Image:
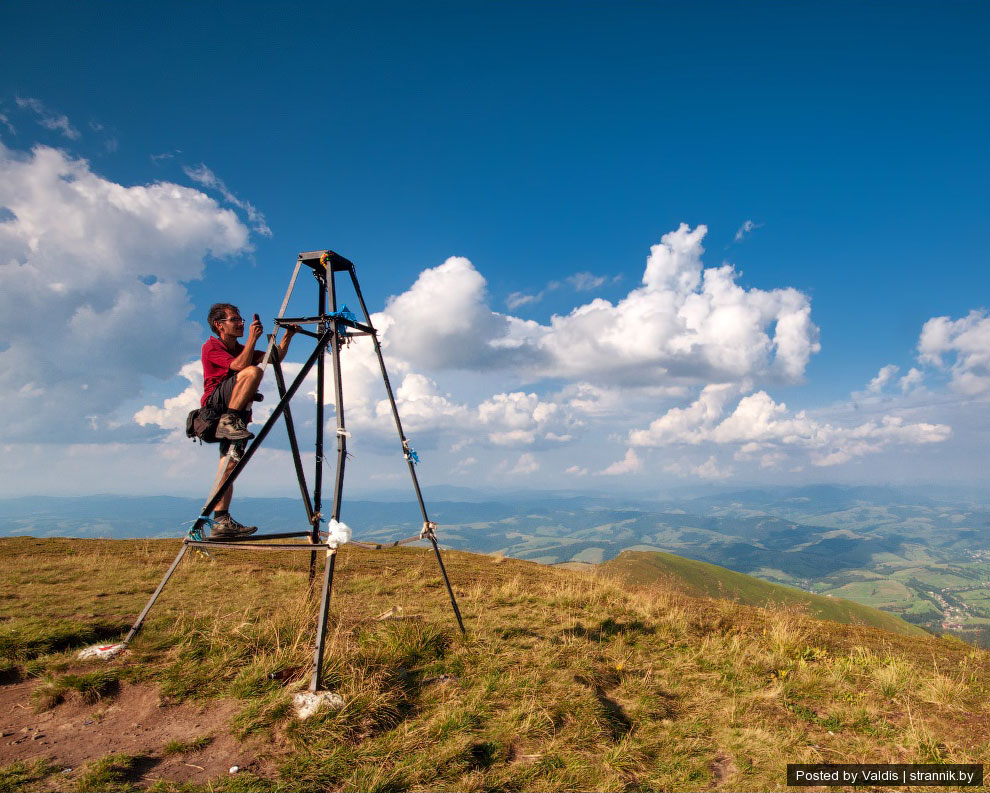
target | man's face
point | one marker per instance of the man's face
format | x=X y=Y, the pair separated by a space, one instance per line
x=232 y=325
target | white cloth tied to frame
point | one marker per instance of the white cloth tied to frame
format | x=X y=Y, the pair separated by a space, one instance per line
x=337 y=533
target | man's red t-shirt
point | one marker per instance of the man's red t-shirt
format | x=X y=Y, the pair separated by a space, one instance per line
x=216 y=365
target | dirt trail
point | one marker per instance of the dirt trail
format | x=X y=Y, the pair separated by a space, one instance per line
x=132 y=721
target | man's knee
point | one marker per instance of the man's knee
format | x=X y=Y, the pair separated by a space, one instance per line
x=250 y=374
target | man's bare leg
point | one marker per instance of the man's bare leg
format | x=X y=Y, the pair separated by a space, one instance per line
x=245 y=387
x=224 y=503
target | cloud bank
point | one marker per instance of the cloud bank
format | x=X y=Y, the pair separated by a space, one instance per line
x=91 y=293
x=686 y=324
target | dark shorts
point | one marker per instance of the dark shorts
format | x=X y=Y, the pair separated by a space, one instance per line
x=217 y=402
x=219 y=398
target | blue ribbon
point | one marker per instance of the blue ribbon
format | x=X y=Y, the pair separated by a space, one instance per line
x=196 y=532
x=344 y=313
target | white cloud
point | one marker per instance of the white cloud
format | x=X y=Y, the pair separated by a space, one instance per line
x=91 y=279
x=172 y=415
x=464 y=466
x=709 y=469
x=519 y=418
x=421 y=406
x=684 y=325
x=759 y=425
x=526 y=464
x=629 y=464
x=518 y=299
x=443 y=321
x=204 y=176
x=962 y=345
x=911 y=380
x=6 y=122
x=884 y=376
x=585 y=282
x=745 y=229
x=579 y=282
x=47 y=118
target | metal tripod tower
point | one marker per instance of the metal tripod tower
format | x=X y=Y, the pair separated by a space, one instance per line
x=333 y=326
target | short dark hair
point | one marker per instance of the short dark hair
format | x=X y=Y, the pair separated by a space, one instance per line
x=217 y=312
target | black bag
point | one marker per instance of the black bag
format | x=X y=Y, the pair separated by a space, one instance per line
x=201 y=424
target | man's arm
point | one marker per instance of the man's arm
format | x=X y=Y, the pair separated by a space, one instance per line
x=283 y=346
x=245 y=358
x=278 y=351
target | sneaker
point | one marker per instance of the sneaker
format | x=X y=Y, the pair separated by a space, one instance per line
x=231 y=428
x=226 y=528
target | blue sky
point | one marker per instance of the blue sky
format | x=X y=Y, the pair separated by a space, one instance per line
x=547 y=146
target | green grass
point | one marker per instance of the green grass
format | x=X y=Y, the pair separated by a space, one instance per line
x=90 y=687
x=111 y=773
x=700 y=578
x=565 y=680
x=173 y=748
x=23 y=776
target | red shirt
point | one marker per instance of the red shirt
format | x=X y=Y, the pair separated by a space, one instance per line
x=216 y=365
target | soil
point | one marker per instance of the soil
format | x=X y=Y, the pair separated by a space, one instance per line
x=133 y=722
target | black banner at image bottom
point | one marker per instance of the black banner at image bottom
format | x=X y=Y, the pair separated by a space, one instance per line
x=884 y=775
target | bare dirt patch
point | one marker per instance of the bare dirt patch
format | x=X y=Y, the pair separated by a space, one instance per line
x=131 y=722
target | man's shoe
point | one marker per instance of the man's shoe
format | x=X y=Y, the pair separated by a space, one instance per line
x=226 y=528
x=231 y=428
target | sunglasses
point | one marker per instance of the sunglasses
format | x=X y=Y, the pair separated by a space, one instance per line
x=235 y=320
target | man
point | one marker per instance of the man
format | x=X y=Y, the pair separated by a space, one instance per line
x=231 y=377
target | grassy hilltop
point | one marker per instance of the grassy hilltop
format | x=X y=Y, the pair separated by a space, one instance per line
x=565 y=680
x=708 y=580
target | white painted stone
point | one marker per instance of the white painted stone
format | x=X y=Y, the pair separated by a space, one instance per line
x=309 y=702
x=105 y=651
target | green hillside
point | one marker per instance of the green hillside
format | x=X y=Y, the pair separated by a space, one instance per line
x=564 y=681
x=702 y=579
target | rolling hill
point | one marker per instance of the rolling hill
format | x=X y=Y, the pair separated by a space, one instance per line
x=699 y=579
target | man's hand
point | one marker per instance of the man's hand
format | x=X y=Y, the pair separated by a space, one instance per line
x=254 y=333
x=283 y=346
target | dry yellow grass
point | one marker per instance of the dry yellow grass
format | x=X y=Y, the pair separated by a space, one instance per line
x=564 y=681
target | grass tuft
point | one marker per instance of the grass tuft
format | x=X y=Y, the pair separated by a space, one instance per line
x=24 y=776
x=90 y=687
x=114 y=772
x=173 y=748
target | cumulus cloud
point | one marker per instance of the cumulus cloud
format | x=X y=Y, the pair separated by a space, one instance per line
x=758 y=425
x=963 y=347
x=47 y=118
x=629 y=464
x=421 y=406
x=526 y=464
x=443 y=321
x=884 y=376
x=520 y=419
x=910 y=381
x=684 y=325
x=91 y=276
x=204 y=176
x=172 y=414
